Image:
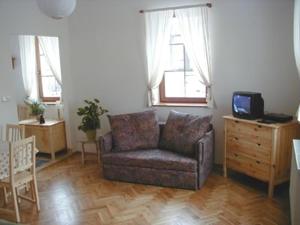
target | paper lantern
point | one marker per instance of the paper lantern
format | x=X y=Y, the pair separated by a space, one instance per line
x=57 y=9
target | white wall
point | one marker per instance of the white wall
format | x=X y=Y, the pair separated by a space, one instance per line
x=252 y=50
x=23 y=17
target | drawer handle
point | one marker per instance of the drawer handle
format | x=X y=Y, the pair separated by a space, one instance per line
x=236 y=138
x=258 y=162
x=258 y=144
x=236 y=155
x=259 y=126
x=236 y=121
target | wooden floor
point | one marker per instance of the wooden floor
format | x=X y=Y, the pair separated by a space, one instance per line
x=72 y=194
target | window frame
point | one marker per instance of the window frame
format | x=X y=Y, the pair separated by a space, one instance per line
x=39 y=75
x=181 y=100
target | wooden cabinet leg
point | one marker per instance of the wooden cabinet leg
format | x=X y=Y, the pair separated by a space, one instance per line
x=270 y=190
x=53 y=155
x=225 y=170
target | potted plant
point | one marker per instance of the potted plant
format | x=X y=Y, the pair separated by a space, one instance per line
x=90 y=121
x=37 y=108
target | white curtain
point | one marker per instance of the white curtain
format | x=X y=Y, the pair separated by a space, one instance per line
x=157 y=38
x=50 y=46
x=193 y=25
x=28 y=66
x=297 y=33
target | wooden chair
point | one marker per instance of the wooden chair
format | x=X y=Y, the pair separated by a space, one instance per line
x=14 y=132
x=21 y=172
x=23 y=112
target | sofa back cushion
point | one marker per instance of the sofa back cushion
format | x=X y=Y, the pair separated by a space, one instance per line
x=135 y=131
x=182 y=131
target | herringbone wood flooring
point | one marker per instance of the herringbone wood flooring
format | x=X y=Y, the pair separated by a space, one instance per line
x=72 y=194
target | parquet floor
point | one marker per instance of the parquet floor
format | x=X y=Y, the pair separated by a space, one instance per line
x=71 y=194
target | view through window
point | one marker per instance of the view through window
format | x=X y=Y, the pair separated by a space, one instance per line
x=49 y=88
x=180 y=84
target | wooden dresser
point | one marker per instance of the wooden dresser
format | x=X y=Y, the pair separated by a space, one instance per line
x=50 y=136
x=262 y=151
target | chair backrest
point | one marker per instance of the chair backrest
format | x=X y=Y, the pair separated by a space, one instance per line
x=22 y=156
x=15 y=132
x=23 y=112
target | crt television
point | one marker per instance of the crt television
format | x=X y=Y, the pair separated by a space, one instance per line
x=247 y=105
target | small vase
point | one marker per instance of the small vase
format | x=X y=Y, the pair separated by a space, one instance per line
x=91 y=135
x=42 y=119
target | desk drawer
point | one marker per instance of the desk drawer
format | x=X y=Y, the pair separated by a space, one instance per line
x=248 y=166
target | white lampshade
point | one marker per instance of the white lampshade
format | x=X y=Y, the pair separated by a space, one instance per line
x=57 y=9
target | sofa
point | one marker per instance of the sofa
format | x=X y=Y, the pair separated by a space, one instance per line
x=138 y=150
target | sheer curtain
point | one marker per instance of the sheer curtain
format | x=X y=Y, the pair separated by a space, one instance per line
x=193 y=24
x=28 y=66
x=157 y=38
x=50 y=46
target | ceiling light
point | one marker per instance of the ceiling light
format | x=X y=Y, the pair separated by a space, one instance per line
x=57 y=9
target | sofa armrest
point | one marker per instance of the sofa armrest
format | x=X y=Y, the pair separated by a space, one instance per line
x=105 y=143
x=205 y=156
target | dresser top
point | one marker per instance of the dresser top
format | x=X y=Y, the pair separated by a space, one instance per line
x=34 y=122
x=297 y=153
x=273 y=125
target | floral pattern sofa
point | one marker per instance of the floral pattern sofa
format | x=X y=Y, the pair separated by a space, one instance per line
x=176 y=154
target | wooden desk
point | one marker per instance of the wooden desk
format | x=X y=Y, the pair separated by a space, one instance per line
x=50 y=136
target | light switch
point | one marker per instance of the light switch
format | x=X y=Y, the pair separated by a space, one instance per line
x=5 y=98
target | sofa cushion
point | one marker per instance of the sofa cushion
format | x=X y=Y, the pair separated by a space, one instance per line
x=154 y=158
x=135 y=130
x=182 y=131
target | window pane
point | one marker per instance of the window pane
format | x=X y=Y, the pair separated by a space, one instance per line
x=194 y=88
x=50 y=87
x=176 y=58
x=180 y=86
x=45 y=68
x=174 y=84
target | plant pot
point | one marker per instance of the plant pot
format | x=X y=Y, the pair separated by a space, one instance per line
x=91 y=135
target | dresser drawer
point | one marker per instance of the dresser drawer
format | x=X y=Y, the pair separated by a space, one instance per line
x=248 y=166
x=252 y=132
x=257 y=150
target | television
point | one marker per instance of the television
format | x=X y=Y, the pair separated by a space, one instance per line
x=247 y=105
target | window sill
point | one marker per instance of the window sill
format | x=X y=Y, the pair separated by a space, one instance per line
x=161 y=104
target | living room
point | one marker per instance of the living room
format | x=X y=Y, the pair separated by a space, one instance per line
x=103 y=55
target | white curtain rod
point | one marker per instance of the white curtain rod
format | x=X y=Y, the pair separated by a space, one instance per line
x=209 y=5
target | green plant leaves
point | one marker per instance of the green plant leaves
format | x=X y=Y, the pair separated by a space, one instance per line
x=91 y=115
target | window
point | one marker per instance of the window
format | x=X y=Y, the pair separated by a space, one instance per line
x=180 y=84
x=48 y=86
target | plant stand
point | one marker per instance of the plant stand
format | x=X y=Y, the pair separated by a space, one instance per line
x=83 y=143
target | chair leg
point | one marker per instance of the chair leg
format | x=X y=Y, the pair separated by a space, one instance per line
x=36 y=194
x=5 y=196
x=15 y=200
x=17 y=192
x=32 y=191
x=27 y=187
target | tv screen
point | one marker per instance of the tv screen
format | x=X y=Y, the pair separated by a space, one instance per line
x=242 y=104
